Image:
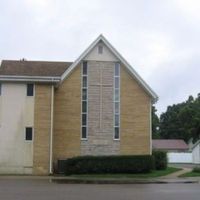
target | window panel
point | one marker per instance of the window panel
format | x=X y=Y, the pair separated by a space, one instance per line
x=116 y=107
x=100 y=49
x=84 y=94
x=116 y=94
x=84 y=106
x=84 y=132
x=116 y=69
x=116 y=120
x=29 y=133
x=30 y=88
x=84 y=81
x=116 y=82
x=84 y=68
x=84 y=119
x=116 y=133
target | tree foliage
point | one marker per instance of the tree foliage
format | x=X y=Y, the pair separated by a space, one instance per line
x=182 y=121
x=155 y=123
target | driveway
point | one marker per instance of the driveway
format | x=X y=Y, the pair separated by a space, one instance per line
x=11 y=189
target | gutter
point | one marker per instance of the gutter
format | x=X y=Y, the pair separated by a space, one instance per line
x=46 y=79
x=51 y=132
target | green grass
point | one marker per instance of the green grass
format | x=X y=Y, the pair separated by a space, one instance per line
x=190 y=174
x=153 y=174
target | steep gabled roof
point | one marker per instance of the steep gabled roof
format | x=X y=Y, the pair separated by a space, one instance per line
x=135 y=75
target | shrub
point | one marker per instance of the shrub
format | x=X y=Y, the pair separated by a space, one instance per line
x=196 y=169
x=109 y=164
x=160 y=158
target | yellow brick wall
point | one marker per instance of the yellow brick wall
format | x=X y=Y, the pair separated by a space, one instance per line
x=67 y=117
x=135 y=117
x=42 y=124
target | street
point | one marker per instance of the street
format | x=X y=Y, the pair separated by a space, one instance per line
x=27 y=189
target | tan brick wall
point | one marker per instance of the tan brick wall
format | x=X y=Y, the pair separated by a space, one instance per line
x=42 y=124
x=135 y=117
x=67 y=117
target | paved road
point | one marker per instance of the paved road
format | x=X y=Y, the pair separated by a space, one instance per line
x=43 y=189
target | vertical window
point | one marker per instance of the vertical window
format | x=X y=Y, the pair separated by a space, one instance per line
x=100 y=49
x=84 y=101
x=29 y=134
x=30 y=89
x=116 y=101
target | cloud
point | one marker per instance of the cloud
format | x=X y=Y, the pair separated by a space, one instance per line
x=160 y=39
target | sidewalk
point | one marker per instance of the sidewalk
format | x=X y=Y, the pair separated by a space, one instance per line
x=175 y=175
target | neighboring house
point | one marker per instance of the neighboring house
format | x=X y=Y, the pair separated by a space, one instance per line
x=177 y=150
x=196 y=152
x=97 y=105
x=170 y=145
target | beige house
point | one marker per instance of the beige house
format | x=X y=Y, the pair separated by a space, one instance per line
x=96 y=105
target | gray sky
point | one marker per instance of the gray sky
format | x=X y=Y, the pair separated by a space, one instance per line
x=160 y=39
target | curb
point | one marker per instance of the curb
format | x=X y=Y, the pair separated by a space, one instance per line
x=73 y=180
x=117 y=181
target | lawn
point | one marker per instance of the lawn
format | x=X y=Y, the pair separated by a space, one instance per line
x=153 y=174
x=190 y=174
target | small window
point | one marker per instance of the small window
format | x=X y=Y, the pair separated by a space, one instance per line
x=84 y=132
x=116 y=136
x=84 y=94
x=84 y=119
x=29 y=134
x=30 y=89
x=0 y=89
x=100 y=49
x=117 y=69
x=84 y=81
x=116 y=82
x=84 y=68
x=84 y=106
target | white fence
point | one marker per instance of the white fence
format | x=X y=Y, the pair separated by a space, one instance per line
x=179 y=157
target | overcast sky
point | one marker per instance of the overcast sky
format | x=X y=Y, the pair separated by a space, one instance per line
x=160 y=39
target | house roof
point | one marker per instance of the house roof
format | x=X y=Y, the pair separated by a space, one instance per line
x=169 y=144
x=135 y=75
x=33 y=68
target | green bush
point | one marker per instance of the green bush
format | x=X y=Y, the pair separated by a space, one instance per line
x=160 y=158
x=109 y=164
x=196 y=169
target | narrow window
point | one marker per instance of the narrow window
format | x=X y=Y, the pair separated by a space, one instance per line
x=30 y=89
x=100 y=49
x=84 y=100
x=116 y=101
x=29 y=134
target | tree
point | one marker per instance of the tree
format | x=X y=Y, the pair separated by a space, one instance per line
x=155 y=123
x=182 y=121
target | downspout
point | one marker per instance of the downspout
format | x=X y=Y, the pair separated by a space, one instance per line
x=51 y=132
x=150 y=120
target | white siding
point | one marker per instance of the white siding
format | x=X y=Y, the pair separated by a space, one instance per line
x=196 y=154
x=17 y=112
x=179 y=157
x=107 y=55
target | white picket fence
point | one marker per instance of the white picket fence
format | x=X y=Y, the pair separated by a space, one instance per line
x=179 y=157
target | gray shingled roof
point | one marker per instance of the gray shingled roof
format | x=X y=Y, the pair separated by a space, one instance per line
x=169 y=144
x=33 y=68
